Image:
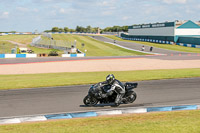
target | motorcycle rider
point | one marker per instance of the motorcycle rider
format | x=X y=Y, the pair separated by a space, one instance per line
x=116 y=86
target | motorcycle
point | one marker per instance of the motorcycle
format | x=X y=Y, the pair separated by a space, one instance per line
x=95 y=94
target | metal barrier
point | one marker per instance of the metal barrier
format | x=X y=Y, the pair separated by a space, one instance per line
x=51 y=44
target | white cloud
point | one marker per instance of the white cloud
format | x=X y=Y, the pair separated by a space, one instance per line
x=22 y=9
x=4 y=15
x=111 y=4
x=53 y=12
x=47 y=0
x=105 y=3
x=35 y=10
x=126 y=18
x=107 y=13
x=92 y=12
x=175 y=1
x=189 y=11
x=62 y=10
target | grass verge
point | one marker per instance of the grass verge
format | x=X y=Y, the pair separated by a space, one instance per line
x=5 y=47
x=95 y=47
x=24 y=39
x=44 y=50
x=163 y=46
x=92 y=47
x=162 y=122
x=77 y=78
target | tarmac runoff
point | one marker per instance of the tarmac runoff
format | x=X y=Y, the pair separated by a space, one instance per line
x=131 y=110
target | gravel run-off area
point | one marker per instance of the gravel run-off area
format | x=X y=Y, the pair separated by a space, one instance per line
x=98 y=65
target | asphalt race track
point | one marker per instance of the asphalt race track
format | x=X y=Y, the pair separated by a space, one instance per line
x=137 y=46
x=69 y=98
x=52 y=100
x=194 y=56
x=169 y=54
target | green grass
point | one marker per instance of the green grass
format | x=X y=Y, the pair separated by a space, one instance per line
x=44 y=50
x=163 y=46
x=162 y=122
x=94 y=47
x=5 y=47
x=78 y=78
x=24 y=39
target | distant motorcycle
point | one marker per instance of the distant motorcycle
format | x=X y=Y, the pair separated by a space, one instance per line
x=95 y=94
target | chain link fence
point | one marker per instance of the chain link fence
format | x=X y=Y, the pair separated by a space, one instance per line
x=48 y=42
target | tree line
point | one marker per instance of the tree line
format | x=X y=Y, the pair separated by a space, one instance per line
x=90 y=29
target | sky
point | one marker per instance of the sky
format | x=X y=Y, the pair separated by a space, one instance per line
x=40 y=15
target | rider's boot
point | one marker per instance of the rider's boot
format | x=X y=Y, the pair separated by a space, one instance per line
x=119 y=99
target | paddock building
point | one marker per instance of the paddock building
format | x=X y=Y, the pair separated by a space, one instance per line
x=184 y=32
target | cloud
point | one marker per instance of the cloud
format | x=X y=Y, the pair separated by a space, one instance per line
x=107 y=13
x=126 y=18
x=189 y=11
x=4 y=15
x=35 y=10
x=62 y=10
x=99 y=13
x=63 y=1
x=22 y=9
x=110 y=4
x=175 y=1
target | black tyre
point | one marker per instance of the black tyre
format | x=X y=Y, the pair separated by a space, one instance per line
x=132 y=97
x=115 y=105
x=90 y=101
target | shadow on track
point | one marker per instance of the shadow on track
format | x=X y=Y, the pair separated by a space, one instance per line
x=121 y=105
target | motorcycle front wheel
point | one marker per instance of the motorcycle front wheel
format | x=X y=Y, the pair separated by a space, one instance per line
x=90 y=101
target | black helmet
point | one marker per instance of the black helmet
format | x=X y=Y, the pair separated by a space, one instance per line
x=110 y=78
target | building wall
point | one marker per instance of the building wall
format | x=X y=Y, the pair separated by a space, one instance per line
x=161 y=31
x=187 y=32
x=189 y=40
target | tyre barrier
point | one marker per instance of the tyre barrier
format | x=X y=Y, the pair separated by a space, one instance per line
x=161 y=42
x=39 y=55
x=74 y=55
x=18 y=55
x=118 y=111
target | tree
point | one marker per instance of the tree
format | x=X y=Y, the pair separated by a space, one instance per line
x=78 y=28
x=116 y=29
x=55 y=29
x=125 y=28
x=95 y=29
x=72 y=30
x=47 y=31
x=107 y=29
x=89 y=29
x=66 y=29
x=61 y=30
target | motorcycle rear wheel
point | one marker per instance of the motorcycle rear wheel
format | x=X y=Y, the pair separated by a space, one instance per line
x=90 y=101
x=132 y=97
